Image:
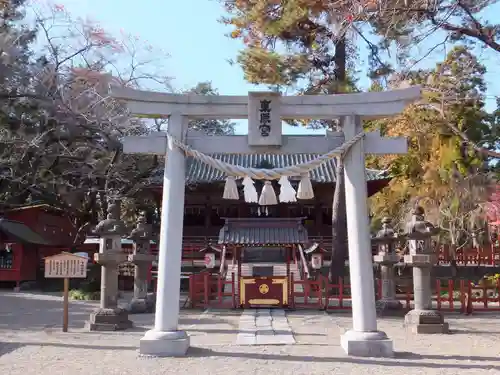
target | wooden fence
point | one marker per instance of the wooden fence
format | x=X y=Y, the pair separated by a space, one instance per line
x=486 y=255
x=210 y=290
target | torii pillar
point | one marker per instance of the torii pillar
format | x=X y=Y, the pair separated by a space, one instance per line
x=364 y=339
x=165 y=339
x=264 y=135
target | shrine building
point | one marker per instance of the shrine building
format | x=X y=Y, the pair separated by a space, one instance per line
x=258 y=239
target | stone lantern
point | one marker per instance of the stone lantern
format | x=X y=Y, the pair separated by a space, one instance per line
x=142 y=259
x=422 y=319
x=109 y=317
x=386 y=239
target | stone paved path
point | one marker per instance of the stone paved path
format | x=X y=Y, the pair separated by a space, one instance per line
x=31 y=343
x=264 y=327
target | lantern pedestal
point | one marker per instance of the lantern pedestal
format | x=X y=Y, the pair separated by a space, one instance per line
x=140 y=304
x=388 y=301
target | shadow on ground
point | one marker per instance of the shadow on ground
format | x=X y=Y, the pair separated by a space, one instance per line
x=9 y=347
x=20 y=311
x=473 y=331
x=402 y=359
x=35 y=312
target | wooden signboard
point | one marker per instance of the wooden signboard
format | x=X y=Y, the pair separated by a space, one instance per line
x=66 y=266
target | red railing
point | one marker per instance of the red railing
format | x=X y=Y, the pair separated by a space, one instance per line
x=310 y=296
x=448 y=295
x=191 y=256
x=487 y=255
x=209 y=290
x=212 y=290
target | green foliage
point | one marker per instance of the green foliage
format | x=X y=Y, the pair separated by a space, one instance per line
x=441 y=172
x=214 y=126
x=288 y=44
x=81 y=295
x=60 y=131
x=93 y=281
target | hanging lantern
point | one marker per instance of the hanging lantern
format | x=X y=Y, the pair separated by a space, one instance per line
x=209 y=260
x=316 y=261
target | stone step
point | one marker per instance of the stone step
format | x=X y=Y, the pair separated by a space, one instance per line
x=264 y=327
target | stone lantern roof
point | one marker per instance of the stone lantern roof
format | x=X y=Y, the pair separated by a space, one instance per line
x=112 y=225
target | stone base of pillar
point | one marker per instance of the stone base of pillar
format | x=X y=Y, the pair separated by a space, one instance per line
x=139 y=306
x=367 y=344
x=388 y=306
x=144 y=305
x=164 y=344
x=426 y=322
x=109 y=320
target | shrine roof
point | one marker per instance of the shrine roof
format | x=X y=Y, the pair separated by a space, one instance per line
x=199 y=172
x=40 y=206
x=16 y=231
x=263 y=231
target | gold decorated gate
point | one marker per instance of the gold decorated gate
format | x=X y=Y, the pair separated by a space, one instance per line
x=269 y=291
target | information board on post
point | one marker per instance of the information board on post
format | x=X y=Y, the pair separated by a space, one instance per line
x=66 y=266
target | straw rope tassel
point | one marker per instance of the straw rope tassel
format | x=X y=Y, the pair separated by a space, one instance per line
x=230 y=189
x=305 y=190
x=268 y=196
x=287 y=192
x=249 y=190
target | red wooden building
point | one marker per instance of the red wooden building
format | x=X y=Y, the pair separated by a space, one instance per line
x=27 y=235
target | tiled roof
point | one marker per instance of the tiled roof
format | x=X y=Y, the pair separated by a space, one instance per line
x=19 y=232
x=263 y=231
x=198 y=172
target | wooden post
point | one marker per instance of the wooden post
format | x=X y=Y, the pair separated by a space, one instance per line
x=66 y=305
x=288 y=252
x=238 y=281
x=233 y=290
x=65 y=266
x=207 y=214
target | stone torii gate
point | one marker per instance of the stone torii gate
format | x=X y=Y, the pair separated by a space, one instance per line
x=265 y=135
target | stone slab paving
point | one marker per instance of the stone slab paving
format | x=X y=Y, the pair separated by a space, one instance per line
x=264 y=327
x=31 y=343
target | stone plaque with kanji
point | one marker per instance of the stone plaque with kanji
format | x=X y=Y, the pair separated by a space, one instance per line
x=264 y=119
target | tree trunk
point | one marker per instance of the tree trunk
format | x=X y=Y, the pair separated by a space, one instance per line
x=340 y=59
x=339 y=215
x=339 y=226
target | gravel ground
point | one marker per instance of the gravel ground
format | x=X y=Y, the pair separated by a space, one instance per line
x=31 y=343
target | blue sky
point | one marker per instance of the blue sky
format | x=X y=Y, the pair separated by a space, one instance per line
x=190 y=32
